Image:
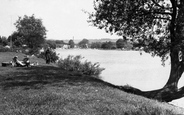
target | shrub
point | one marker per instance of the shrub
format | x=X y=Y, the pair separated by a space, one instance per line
x=54 y=56
x=74 y=63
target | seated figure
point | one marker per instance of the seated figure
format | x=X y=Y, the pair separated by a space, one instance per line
x=23 y=63
x=26 y=61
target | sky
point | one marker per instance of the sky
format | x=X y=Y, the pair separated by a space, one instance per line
x=64 y=19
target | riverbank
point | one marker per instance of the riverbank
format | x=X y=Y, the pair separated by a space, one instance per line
x=48 y=90
x=129 y=67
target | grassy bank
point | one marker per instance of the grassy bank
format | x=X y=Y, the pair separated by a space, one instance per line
x=48 y=90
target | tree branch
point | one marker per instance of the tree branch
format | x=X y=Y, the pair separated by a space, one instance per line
x=154 y=11
x=179 y=4
x=159 y=13
x=162 y=13
x=157 y=4
x=162 y=18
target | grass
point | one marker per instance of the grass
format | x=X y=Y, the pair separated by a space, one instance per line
x=49 y=90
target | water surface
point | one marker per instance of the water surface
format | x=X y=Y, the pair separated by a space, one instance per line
x=128 y=67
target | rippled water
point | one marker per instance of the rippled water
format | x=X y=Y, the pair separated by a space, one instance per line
x=128 y=67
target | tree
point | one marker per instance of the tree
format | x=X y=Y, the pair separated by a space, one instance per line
x=105 y=45
x=120 y=43
x=84 y=43
x=96 y=45
x=51 y=44
x=59 y=42
x=71 y=43
x=16 y=39
x=32 y=31
x=108 y=45
x=158 y=25
x=3 y=41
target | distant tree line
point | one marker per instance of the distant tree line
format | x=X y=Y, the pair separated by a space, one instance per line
x=3 y=41
x=31 y=34
x=85 y=43
x=119 y=44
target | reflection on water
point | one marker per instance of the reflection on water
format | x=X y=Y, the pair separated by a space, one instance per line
x=128 y=67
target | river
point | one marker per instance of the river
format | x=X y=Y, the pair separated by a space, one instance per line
x=128 y=67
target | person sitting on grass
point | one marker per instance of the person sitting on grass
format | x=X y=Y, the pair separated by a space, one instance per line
x=26 y=61
x=23 y=63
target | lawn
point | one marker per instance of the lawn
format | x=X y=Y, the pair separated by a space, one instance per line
x=49 y=90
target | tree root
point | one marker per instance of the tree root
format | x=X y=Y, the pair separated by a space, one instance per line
x=164 y=94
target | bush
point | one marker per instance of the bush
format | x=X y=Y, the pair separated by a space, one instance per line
x=54 y=57
x=74 y=63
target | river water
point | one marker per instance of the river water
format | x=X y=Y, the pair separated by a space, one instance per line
x=128 y=67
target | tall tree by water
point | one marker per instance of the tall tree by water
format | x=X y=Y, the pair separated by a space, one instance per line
x=84 y=43
x=158 y=25
x=31 y=30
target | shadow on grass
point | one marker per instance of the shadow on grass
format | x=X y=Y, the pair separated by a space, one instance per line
x=37 y=77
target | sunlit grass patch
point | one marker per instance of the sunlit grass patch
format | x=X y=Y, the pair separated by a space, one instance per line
x=80 y=100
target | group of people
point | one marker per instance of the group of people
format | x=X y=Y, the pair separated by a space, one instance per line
x=26 y=62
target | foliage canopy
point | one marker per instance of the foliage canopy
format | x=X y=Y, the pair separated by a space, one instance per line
x=31 y=31
x=144 y=21
x=71 y=43
x=156 y=26
x=83 y=43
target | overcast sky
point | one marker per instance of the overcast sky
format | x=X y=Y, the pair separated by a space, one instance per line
x=64 y=19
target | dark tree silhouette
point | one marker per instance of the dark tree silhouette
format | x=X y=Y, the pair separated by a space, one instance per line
x=159 y=27
x=84 y=43
x=120 y=43
x=31 y=30
x=71 y=43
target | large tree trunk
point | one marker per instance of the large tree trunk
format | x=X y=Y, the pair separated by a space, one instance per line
x=170 y=91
